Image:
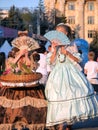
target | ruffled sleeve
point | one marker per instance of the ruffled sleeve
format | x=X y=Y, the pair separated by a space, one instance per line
x=78 y=56
x=48 y=60
x=74 y=52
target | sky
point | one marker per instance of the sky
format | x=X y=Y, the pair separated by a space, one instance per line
x=6 y=4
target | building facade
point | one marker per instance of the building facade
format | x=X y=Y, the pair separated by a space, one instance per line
x=3 y=13
x=82 y=15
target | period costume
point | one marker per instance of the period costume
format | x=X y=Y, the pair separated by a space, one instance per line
x=69 y=94
x=22 y=99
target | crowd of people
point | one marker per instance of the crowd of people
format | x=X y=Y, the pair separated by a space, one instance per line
x=70 y=89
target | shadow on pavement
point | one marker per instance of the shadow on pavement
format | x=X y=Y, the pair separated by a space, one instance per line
x=87 y=125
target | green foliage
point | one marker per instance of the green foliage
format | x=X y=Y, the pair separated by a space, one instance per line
x=61 y=19
x=14 y=20
x=20 y=19
x=13 y=66
x=25 y=69
x=94 y=44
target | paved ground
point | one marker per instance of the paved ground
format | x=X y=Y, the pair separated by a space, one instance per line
x=87 y=129
x=87 y=125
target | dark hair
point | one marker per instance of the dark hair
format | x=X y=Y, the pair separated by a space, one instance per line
x=42 y=49
x=22 y=33
x=2 y=62
x=49 y=46
x=13 y=52
x=66 y=29
x=36 y=57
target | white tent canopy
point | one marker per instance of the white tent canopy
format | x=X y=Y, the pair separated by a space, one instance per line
x=6 y=47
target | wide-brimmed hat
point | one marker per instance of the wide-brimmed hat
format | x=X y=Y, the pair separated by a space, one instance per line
x=57 y=36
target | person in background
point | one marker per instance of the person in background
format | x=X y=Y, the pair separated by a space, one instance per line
x=91 y=70
x=97 y=59
x=42 y=68
x=35 y=57
x=2 y=62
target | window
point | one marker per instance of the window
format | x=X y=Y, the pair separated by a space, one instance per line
x=71 y=19
x=90 y=19
x=71 y=6
x=91 y=33
x=90 y=6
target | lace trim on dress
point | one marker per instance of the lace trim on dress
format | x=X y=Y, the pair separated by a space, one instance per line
x=8 y=103
x=72 y=120
x=78 y=98
x=22 y=125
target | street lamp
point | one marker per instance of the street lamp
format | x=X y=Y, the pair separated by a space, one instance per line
x=38 y=19
x=30 y=30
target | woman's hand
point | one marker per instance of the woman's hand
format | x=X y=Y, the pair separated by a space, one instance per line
x=53 y=47
x=19 y=55
x=23 y=52
x=54 y=51
x=54 y=44
x=0 y=85
x=63 y=50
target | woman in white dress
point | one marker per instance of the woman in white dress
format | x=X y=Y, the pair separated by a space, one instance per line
x=69 y=94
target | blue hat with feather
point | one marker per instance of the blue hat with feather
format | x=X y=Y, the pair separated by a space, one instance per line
x=57 y=36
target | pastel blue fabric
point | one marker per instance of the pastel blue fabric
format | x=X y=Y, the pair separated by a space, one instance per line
x=56 y=35
x=82 y=45
x=69 y=94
